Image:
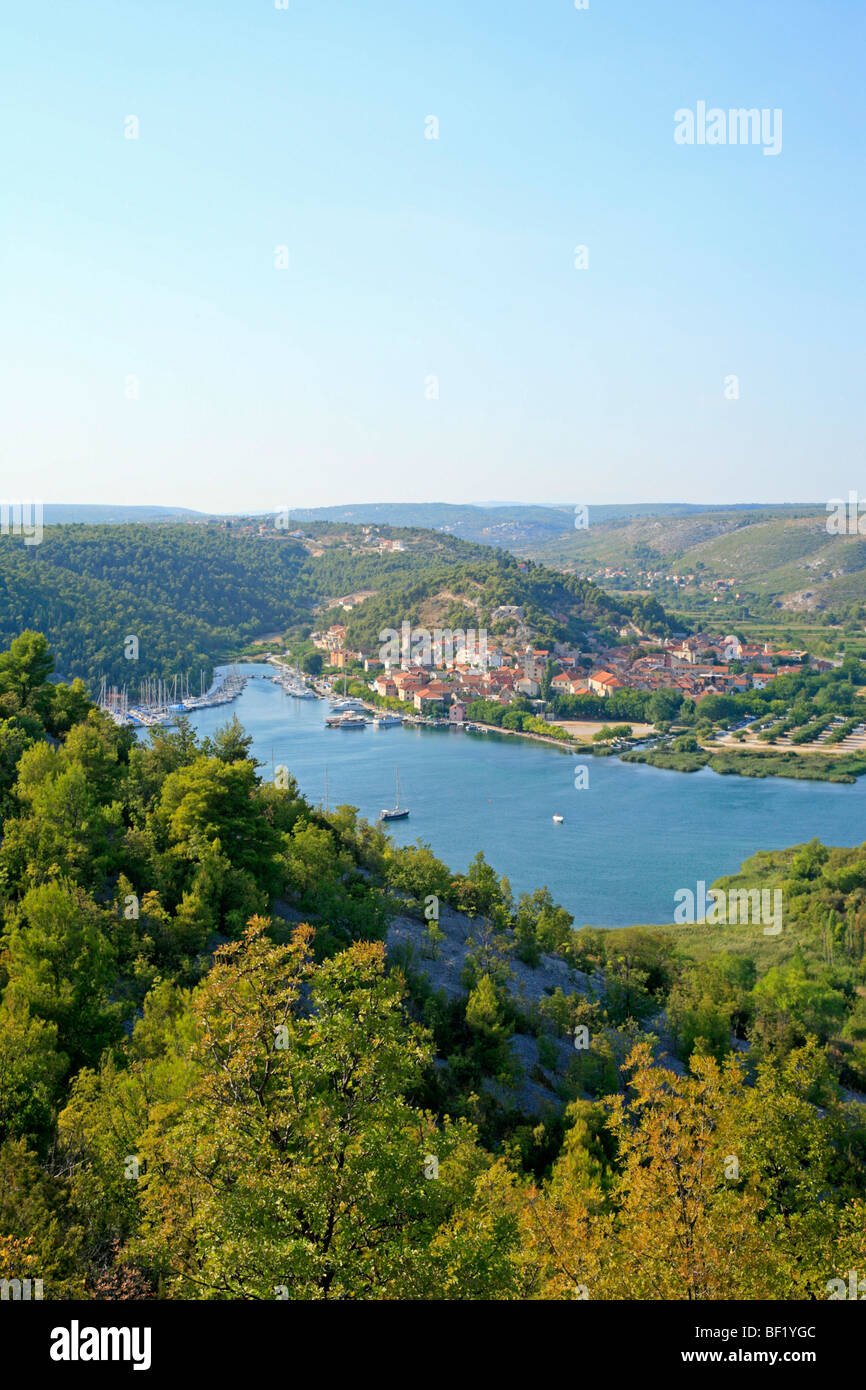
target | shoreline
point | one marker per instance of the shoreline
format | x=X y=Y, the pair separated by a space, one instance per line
x=752 y=757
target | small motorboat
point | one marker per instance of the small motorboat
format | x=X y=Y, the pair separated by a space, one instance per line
x=557 y=820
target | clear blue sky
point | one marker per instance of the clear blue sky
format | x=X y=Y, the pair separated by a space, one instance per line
x=412 y=258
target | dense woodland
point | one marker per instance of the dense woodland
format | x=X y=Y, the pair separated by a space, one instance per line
x=216 y=1084
x=555 y=607
x=189 y=594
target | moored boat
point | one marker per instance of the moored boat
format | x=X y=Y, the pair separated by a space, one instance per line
x=396 y=812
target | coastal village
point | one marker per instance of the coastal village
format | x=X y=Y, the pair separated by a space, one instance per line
x=694 y=666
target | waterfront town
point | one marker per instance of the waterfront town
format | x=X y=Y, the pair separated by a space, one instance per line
x=447 y=678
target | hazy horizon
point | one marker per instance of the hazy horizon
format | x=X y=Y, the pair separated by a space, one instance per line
x=426 y=502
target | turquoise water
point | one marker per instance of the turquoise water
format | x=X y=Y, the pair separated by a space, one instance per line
x=628 y=841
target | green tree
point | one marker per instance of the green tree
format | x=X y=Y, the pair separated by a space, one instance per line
x=790 y=1007
x=62 y=968
x=24 y=669
x=213 y=800
x=31 y=1072
x=230 y=743
x=295 y=1161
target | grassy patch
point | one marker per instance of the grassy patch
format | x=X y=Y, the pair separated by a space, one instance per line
x=673 y=761
x=700 y=942
x=846 y=767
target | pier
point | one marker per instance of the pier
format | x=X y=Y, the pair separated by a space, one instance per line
x=291 y=679
x=160 y=703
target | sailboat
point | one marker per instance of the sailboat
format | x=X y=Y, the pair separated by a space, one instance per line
x=397 y=812
x=344 y=701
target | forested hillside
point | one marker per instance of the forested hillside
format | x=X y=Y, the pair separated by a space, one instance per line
x=215 y=1083
x=190 y=595
x=194 y=595
x=552 y=607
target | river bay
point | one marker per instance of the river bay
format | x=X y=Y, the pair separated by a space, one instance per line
x=628 y=840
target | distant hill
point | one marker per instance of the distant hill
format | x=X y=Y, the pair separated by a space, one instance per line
x=777 y=554
x=782 y=556
x=503 y=526
x=62 y=513
x=527 y=530
x=793 y=561
x=496 y=592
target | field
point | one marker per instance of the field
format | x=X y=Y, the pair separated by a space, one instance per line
x=585 y=728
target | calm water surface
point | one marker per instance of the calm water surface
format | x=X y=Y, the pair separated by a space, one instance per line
x=628 y=840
